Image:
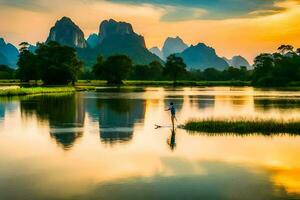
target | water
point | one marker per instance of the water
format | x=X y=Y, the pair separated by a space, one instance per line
x=104 y=146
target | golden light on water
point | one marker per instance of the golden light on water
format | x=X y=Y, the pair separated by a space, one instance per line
x=26 y=142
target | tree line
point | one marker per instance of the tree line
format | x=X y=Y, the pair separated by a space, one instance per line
x=59 y=65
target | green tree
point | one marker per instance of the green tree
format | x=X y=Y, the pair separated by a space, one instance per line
x=27 y=65
x=58 y=64
x=98 y=67
x=141 y=72
x=6 y=72
x=175 y=67
x=117 y=68
x=283 y=49
x=156 y=70
x=263 y=68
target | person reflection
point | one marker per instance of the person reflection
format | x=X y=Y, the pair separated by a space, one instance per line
x=172 y=140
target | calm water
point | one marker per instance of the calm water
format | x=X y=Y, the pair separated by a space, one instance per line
x=104 y=146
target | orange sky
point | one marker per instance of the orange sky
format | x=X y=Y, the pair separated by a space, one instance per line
x=239 y=36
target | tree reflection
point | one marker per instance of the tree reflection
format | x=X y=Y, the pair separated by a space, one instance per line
x=117 y=118
x=63 y=112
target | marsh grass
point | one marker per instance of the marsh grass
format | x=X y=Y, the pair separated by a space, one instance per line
x=243 y=126
x=35 y=90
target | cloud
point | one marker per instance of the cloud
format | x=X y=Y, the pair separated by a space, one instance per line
x=34 y=5
x=178 y=10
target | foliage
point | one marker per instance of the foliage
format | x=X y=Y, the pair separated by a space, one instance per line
x=27 y=64
x=58 y=64
x=114 y=69
x=174 y=67
x=6 y=72
x=277 y=69
x=52 y=63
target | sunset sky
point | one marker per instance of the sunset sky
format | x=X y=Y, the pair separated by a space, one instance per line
x=232 y=27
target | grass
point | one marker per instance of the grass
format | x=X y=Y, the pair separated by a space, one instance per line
x=166 y=83
x=243 y=126
x=35 y=90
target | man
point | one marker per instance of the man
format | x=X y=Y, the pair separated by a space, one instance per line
x=173 y=113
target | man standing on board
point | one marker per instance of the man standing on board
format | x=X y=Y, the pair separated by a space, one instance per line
x=173 y=113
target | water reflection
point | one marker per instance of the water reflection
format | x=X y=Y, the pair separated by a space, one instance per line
x=63 y=113
x=172 y=140
x=117 y=118
x=135 y=161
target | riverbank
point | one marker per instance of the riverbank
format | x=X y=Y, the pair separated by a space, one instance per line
x=35 y=90
x=243 y=126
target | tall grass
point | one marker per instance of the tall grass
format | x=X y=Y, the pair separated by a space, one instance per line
x=243 y=126
x=34 y=90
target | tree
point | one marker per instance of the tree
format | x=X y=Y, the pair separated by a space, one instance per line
x=98 y=67
x=27 y=65
x=117 y=68
x=212 y=74
x=263 y=67
x=6 y=72
x=283 y=49
x=156 y=70
x=141 y=72
x=174 y=67
x=58 y=64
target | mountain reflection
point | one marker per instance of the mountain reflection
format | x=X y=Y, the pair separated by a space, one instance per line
x=117 y=118
x=64 y=113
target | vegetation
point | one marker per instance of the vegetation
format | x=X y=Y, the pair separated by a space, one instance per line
x=243 y=126
x=174 y=67
x=52 y=63
x=278 y=69
x=58 y=65
x=35 y=90
x=114 y=69
x=6 y=72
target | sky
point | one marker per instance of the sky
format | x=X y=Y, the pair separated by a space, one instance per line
x=232 y=27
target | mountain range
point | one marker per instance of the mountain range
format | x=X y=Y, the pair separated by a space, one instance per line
x=202 y=57
x=171 y=46
x=120 y=38
x=8 y=53
x=237 y=61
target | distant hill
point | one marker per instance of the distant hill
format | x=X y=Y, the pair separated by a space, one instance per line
x=157 y=51
x=173 y=45
x=237 y=61
x=66 y=32
x=113 y=38
x=93 y=40
x=202 y=57
x=3 y=60
x=9 y=52
x=119 y=38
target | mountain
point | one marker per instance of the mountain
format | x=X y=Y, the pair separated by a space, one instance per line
x=66 y=32
x=120 y=38
x=157 y=51
x=3 y=60
x=237 y=61
x=10 y=52
x=93 y=40
x=202 y=57
x=173 y=45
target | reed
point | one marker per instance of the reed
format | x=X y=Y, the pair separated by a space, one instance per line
x=243 y=126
